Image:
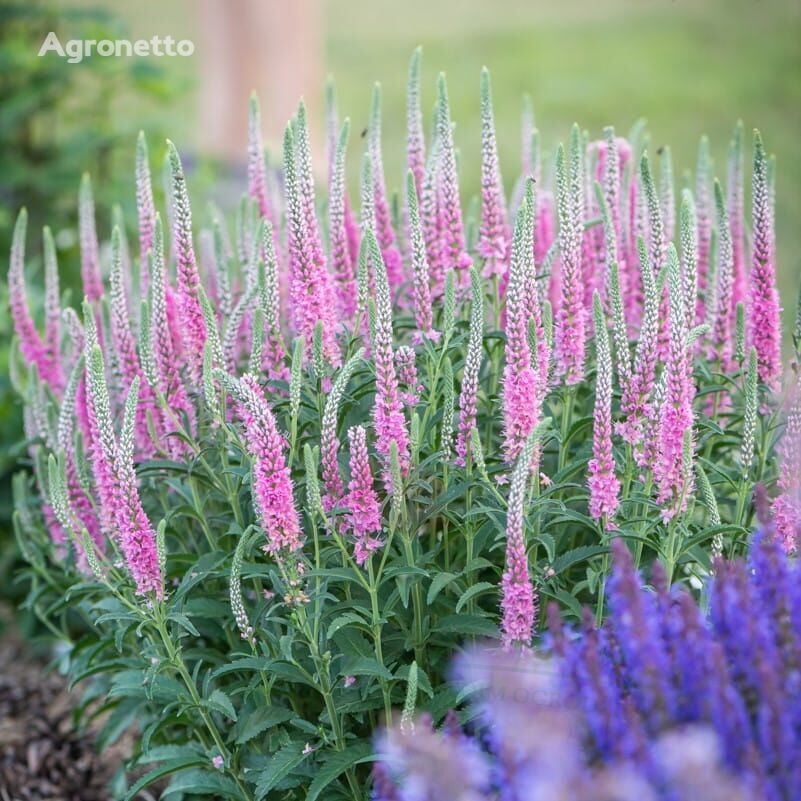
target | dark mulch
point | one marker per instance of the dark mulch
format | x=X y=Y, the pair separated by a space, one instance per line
x=44 y=756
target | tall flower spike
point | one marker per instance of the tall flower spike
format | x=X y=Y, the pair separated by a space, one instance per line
x=415 y=140
x=764 y=324
x=750 y=411
x=604 y=484
x=52 y=303
x=673 y=478
x=787 y=506
x=126 y=359
x=611 y=194
x=329 y=446
x=453 y=247
x=342 y=265
x=518 y=601
x=390 y=423
x=87 y=234
x=102 y=445
x=257 y=178
x=657 y=248
x=145 y=209
x=703 y=200
x=191 y=315
x=636 y=400
x=520 y=384
x=274 y=358
x=736 y=212
x=383 y=216
x=30 y=342
x=468 y=398
x=494 y=236
x=364 y=510
x=137 y=535
x=311 y=290
x=421 y=280
x=724 y=294
x=272 y=484
x=570 y=323
x=688 y=237
x=667 y=192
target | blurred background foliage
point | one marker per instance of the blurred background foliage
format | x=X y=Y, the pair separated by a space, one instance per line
x=688 y=66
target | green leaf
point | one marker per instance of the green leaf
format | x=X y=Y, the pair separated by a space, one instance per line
x=343 y=620
x=257 y=663
x=173 y=766
x=220 y=702
x=364 y=666
x=438 y=583
x=261 y=719
x=283 y=763
x=204 y=782
x=336 y=764
x=184 y=622
x=475 y=625
x=476 y=589
x=577 y=555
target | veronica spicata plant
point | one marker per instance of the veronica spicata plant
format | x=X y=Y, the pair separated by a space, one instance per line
x=276 y=478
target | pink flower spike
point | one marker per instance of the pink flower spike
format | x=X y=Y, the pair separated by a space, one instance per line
x=405 y=362
x=724 y=292
x=145 y=209
x=390 y=423
x=703 y=202
x=764 y=323
x=736 y=212
x=421 y=278
x=52 y=313
x=570 y=333
x=495 y=237
x=342 y=264
x=518 y=601
x=454 y=255
x=364 y=510
x=31 y=345
x=272 y=485
x=468 y=398
x=415 y=140
x=604 y=484
x=787 y=506
x=383 y=217
x=676 y=411
x=311 y=288
x=189 y=310
x=90 y=252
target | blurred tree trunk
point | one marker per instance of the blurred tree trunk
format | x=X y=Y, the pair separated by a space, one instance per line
x=272 y=46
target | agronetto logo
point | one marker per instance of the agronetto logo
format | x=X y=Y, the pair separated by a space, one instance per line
x=76 y=50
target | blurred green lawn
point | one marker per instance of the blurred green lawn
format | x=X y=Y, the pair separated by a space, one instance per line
x=688 y=67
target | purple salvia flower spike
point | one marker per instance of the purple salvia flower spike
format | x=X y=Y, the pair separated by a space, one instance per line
x=383 y=216
x=272 y=484
x=415 y=138
x=339 y=255
x=145 y=209
x=390 y=423
x=704 y=208
x=603 y=483
x=191 y=315
x=421 y=278
x=454 y=255
x=494 y=235
x=136 y=533
x=570 y=324
x=764 y=324
x=52 y=303
x=736 y=211
x=518 y=598
x=676 y=411
x=724 y=293
x=468 y=398
x=329 y=445
x=90 y=252
x=311 y=288
x=364 y=509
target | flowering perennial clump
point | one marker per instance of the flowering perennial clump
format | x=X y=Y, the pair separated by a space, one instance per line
x=281 y=474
